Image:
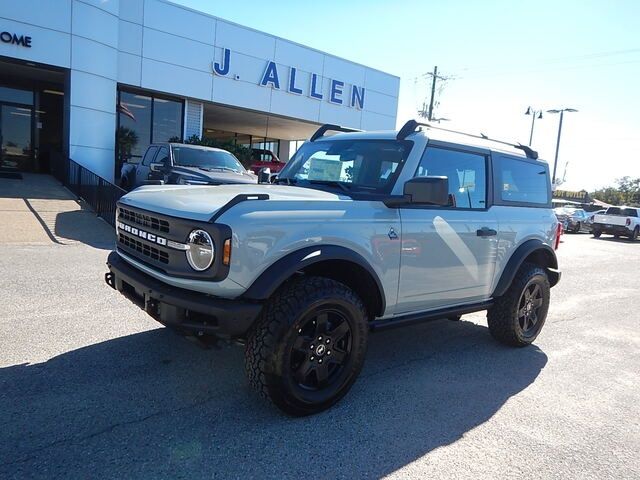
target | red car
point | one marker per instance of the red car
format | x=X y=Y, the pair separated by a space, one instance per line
x=265 y=158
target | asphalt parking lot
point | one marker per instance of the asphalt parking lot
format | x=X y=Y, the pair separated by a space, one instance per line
x=90 y=387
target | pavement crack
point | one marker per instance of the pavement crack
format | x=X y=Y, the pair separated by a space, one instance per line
x=31 y=454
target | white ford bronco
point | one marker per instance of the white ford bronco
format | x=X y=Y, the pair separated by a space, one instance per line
x=361 y=231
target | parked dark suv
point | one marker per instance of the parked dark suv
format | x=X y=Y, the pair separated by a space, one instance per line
x=183 y=164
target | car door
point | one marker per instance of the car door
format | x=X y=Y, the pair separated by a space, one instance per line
x=143 y=170
x=448 y=253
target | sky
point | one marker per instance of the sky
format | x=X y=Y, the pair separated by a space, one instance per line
x=501 y=57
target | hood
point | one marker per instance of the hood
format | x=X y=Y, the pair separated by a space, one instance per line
x=201 y=202
x=213 y=176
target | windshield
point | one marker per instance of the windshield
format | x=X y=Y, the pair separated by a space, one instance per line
x=369 y=165
x=206 y=159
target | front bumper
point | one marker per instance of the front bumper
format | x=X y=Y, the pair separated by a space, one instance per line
x=190 y=311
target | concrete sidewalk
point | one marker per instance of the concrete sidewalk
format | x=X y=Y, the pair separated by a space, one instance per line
x=38 y=210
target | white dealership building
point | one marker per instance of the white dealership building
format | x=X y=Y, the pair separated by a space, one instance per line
x=89 y=79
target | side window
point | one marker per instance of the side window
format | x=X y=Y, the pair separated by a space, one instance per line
x=522 y=181
x=163 y=156
x=149 y=154
x=466 y=173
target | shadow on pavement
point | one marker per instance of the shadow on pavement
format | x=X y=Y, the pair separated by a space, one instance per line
x=41 y=211
x=86 y=227
x=153 y=405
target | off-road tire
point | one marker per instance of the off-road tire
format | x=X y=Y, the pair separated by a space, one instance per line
x=502 y=317
x=577 y=228
x=596 y=233
x=269 y=347
x=634 y=235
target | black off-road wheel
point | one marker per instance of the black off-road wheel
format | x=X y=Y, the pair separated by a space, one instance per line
x=517 y=317
x=634 y=235
x=306 y=350
x=577 y=228
x=596 y=233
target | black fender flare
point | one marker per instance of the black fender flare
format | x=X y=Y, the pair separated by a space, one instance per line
x=273 y=277
x=518 y=258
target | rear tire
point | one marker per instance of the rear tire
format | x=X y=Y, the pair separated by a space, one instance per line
x=306 y=350
x=634 y=236
x=517 y=317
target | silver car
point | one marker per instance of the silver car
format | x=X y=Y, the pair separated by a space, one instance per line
x=363 y=231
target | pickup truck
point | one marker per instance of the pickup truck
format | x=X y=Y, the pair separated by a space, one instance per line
x=184 y=164
x=618 y=221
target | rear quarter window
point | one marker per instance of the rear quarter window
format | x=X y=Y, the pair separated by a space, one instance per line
x=521 y=182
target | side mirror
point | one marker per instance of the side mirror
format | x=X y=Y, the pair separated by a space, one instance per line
x=264 y=175
x=157 y=167
x=422 y=191
x=427 y=191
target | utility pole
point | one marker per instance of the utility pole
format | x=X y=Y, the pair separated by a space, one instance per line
x=561 y=112
x=555 y=161
x=433 y=92
x=428 y=111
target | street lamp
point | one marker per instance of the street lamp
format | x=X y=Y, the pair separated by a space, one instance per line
x=534 y=113
x=561 y=112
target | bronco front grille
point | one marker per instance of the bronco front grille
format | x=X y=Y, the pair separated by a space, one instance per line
x=146 y=250
x=144 y=220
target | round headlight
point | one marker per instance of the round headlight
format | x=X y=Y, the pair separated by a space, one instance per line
x=201 y=250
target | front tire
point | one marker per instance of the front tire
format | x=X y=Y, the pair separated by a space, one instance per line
x=517 y=317
x=306 y=350
x=577 y=228
x=597 y=233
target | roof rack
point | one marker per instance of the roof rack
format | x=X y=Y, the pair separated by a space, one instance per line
x=411 y=126
x=330 y=127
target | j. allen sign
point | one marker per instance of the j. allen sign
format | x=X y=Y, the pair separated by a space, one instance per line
x=12 y=38
x=272 y=77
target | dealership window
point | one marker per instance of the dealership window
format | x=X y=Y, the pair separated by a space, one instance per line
x=143 y=119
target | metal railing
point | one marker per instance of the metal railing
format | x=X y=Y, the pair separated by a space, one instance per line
x=97 y=192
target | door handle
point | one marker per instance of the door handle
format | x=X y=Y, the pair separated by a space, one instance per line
x=486 y=232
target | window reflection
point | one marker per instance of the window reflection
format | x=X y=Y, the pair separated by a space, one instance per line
x=142 y=120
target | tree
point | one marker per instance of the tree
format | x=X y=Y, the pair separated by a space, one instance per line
x=625 y=192
x=126 y=139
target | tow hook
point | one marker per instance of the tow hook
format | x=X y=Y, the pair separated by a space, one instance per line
x=110 y=279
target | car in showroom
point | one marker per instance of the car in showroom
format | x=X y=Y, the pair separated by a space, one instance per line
x=184 y=164
x=362 y=231
x=262 y=158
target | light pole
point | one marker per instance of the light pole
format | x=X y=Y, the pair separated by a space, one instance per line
x=561 y=112
x=534 y=113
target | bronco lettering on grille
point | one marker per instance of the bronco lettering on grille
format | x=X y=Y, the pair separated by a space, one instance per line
x=151 y=237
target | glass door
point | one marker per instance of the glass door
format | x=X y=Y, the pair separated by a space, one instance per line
x=16 y=137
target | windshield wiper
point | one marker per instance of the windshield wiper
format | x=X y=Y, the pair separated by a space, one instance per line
x=209 y=169
x=332 y=183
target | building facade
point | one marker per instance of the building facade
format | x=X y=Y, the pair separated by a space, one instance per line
x=98 y=80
